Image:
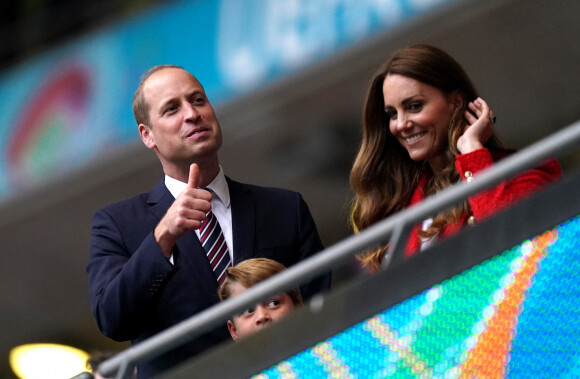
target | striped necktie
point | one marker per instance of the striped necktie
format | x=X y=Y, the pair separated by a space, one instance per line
x=213 y=241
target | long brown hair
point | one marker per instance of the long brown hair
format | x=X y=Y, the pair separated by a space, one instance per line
x=383 y=176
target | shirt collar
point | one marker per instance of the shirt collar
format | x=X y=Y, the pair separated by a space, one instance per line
x=219 y=186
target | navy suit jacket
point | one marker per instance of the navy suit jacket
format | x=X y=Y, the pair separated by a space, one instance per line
x=135 y=292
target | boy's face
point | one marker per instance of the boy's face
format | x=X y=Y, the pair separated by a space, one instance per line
x=254 y=319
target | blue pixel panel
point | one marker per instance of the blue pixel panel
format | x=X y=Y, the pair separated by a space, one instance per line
x=515 y=315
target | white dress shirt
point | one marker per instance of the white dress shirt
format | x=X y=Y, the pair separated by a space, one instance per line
x=426 y=242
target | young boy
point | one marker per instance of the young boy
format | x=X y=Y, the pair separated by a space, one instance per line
x=243 y=276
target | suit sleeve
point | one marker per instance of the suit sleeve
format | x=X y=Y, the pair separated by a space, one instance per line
x=310 y=244
x=506 y=193
x=124 y=285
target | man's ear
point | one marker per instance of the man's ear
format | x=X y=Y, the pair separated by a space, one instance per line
x=147 y=136
x=233 y=331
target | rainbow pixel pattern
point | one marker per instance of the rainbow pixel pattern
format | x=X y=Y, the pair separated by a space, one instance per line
x=516 y=315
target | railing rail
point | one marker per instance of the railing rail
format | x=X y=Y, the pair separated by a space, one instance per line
x=557 y=144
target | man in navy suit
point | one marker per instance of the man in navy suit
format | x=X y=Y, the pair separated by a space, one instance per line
x=147 y=269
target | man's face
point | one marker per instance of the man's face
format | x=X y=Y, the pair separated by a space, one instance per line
x=184 y=128
x=253 y=319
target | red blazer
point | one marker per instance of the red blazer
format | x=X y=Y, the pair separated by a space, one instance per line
x=488 y=202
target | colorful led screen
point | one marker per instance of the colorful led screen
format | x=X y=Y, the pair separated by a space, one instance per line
x=516 y=315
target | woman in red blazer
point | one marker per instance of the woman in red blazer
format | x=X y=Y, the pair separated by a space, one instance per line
x=425 y=128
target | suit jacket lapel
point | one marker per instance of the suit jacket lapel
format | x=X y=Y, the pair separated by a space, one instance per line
x=243 y=220
x=159 y=200
x=188 y=252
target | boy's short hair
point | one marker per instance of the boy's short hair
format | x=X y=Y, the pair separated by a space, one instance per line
x=252 y=271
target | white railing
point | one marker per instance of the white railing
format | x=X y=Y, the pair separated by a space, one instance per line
x=394 y=229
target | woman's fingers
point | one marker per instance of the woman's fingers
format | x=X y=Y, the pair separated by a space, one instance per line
x=479 y=110
x=475 y=108
x=470 y=118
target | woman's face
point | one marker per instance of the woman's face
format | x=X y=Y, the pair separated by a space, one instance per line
x=419 y=116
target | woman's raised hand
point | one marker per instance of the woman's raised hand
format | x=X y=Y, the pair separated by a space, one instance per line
x=480 y=120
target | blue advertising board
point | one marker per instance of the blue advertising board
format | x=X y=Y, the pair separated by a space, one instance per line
x=72 y=104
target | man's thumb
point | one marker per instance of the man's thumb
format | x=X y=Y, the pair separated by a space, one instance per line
x=193 y=176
